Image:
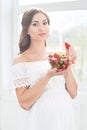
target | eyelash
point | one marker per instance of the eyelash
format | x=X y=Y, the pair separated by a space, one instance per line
x=45 y=23
x=36 y=24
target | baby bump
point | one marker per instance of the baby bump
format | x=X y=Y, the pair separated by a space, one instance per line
x=54 y=100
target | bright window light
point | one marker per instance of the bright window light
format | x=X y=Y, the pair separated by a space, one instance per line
x=25 y=2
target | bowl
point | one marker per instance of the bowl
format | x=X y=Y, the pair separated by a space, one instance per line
x=59 y=60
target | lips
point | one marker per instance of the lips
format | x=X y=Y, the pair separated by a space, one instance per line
x=42 y=34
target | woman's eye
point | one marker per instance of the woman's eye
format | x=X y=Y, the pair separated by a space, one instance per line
x=34 y=24
x=45 y=23
x=37 y=24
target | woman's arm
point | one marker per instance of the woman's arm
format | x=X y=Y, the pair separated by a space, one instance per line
x=70 y=83
x=27 y=96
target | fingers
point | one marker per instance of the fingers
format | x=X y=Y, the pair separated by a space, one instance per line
x=55 y=71
x=73 y=56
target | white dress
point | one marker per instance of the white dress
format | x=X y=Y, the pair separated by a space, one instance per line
x=54 y=109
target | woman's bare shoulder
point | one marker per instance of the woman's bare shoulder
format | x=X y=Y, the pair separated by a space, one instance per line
x=19 y=59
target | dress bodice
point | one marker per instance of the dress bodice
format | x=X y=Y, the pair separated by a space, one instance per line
x=29 y=73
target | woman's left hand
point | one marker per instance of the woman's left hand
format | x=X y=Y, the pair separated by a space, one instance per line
x=71 y=51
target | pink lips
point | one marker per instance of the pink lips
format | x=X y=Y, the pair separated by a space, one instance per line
x=42 y=34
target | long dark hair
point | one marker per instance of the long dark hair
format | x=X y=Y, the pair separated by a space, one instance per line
x=25 y=40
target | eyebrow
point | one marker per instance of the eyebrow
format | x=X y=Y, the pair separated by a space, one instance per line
x=38 y=21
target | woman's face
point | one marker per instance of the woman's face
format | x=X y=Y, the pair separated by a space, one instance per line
x=39 y=28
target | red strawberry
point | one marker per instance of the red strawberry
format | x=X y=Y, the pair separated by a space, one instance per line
x=56 y=55
x=67 y=45
x=55 y=61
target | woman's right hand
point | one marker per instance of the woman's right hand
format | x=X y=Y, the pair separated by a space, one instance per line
x=54 y=72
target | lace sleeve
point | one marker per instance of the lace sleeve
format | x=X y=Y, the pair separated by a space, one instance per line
x=19 y=76
x=22 y=82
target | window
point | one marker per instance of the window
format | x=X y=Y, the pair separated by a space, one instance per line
x=26 y=2
x=71 y=26
x=66 y=25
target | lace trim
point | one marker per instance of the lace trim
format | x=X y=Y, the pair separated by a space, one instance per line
x=23 y=82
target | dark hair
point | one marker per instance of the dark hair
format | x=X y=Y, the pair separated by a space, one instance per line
x=25 y=41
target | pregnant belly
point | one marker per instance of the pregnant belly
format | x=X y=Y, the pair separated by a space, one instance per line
x=54 y=100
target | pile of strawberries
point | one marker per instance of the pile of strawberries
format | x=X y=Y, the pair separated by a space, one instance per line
x=60 y=60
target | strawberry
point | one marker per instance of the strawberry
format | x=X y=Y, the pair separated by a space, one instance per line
x=60 y=61
x=55 y=61
x=56 y=55
x=67 y=45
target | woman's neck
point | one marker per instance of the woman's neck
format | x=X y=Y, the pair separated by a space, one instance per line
x=38 y=47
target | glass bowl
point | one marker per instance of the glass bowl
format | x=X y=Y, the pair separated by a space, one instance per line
x=59 y=60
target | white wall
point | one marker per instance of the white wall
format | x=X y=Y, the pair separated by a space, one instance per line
x=6 y=40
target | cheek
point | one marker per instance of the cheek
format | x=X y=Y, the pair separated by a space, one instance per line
x=31 y=31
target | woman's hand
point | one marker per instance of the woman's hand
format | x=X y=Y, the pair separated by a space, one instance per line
x=73 y=56
x=54 y=72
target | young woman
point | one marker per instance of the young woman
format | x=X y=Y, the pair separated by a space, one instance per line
x=44 y=94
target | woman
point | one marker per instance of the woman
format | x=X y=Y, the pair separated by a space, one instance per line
x=44 y=94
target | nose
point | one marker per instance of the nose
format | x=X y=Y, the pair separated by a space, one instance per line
x=41 y=27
